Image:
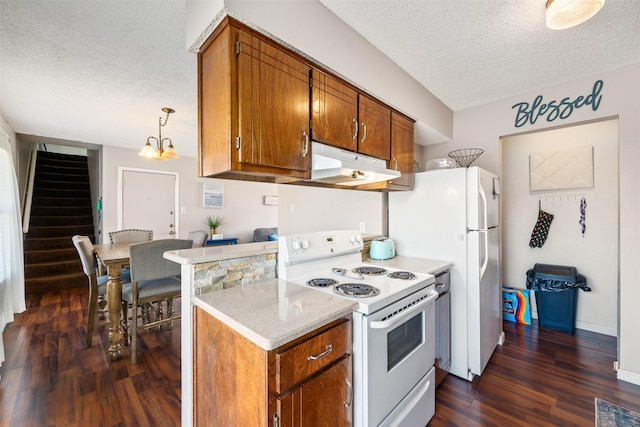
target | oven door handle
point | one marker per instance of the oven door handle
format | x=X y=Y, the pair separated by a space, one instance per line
x=398 y=318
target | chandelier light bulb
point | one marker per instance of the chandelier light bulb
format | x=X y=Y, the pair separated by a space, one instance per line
x=159 y=153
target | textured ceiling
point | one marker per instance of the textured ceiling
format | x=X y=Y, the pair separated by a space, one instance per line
x=100 y=71
x=469 y=52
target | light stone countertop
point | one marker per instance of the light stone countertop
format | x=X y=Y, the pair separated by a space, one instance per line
x=417 y=265
x=222 y=252
x=273 y=312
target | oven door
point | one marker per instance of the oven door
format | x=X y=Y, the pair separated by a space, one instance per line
x=398 y=351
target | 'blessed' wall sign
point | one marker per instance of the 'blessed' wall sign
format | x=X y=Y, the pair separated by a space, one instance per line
x=530 y=113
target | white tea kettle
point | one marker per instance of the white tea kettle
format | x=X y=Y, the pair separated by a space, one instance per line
x=383 y=248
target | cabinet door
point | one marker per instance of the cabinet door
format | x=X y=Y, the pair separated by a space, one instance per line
x=324 y=400
x=374 y=136
x=273 y=105
x=334 y=112
x=402 y=149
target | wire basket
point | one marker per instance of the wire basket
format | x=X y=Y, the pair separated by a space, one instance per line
x=466 y=156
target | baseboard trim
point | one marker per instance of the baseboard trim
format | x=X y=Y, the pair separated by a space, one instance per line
x=628 y=376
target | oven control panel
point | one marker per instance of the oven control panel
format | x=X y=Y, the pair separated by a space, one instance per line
x=308 y=246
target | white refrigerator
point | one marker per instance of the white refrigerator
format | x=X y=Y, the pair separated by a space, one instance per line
x=452 y=215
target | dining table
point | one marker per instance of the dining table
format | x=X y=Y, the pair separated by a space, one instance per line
x=115 y=257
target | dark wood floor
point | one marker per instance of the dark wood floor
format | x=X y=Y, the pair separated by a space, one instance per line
x=538 y=378
x=50 y=379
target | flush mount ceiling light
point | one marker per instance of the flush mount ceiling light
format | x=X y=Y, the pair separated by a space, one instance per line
x=562 y=14
x=159 y=153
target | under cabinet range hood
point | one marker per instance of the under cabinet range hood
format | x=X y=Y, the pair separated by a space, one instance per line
x=334 y=165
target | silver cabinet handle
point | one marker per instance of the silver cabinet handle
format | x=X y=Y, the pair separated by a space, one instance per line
x=396 y=163
x=355 y=131
x=328 y=350
x=305 y=151
x=364 y=134
x=350 y=393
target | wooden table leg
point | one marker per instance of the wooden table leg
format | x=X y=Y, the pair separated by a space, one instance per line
x=114 y=299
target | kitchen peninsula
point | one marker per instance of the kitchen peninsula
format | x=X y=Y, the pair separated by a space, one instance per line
x=250 y=334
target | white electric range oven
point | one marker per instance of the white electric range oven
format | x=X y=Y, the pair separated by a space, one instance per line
x=393 y=325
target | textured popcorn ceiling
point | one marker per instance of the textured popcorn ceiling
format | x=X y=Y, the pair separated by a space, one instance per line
x=100 y=71
x=469 y=52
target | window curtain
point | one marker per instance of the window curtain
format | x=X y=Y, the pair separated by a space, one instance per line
x=12 y=289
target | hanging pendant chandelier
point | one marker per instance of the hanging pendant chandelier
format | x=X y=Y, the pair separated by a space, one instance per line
x=563 y=14
x=159 y=152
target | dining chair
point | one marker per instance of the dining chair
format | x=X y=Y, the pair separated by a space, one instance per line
x=154 y=279
x=97 y=285
x=198 y=237
x=130 y=236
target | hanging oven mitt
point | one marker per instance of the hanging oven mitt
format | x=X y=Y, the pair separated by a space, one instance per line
x=541 y=229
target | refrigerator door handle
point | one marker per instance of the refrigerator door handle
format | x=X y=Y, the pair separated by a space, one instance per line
x=485 y=262
x=483 y=228
x=483 y=198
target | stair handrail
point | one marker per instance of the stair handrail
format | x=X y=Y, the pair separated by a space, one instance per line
x=28 y=194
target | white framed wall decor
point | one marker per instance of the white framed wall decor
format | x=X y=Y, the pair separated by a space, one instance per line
x=212 y=195
x=562 y=169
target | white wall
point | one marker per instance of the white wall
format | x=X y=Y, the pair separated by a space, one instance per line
x=4 y=126
x=243 y=209
x=596 y=254
x=485 y=125
x=318 y=209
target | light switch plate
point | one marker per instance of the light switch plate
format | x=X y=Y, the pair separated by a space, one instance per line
x=271 y=200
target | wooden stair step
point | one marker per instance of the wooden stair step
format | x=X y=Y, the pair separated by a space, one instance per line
x=54 y=221
x=44 y=243
x=50 y=255
x=48 y=176
x=61 y=211
x=61 y=157
x=61 y=193
x=62 y=281
x=46 y=269
x=59 y=231
x=61 y=201
x=61 y=184
x=64 y=169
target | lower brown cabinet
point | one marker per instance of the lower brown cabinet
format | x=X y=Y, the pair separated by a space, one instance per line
x=307 y=382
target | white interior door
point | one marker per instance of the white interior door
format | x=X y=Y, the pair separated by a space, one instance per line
x=148 y=202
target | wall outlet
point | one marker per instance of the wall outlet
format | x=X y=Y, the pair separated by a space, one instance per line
x=183 y=209
x=363 y=227
x=292 y=208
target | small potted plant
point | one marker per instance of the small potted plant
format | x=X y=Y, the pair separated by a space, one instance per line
x=213 y=221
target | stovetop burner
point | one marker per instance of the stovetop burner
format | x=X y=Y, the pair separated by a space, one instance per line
x=369 y=270
x=356 y=290
x=321 y=282
x=404 y=275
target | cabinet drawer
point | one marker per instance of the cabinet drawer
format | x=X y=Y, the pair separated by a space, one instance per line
x=300 y=362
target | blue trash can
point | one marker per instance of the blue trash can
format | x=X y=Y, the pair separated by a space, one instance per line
x=556 y=288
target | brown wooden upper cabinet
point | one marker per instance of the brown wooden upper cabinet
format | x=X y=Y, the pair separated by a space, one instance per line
x=343 y=117
x=401 y=151
x=253 y=108
x=257 y=113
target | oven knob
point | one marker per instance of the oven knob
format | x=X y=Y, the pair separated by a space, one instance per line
x=352 y=239
x=358 y=238
x=295 y=245
x=305 y=244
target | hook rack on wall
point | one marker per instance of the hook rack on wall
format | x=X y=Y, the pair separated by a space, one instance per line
x=560 y=197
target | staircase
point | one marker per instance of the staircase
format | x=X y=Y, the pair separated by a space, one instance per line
x=61 y=208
